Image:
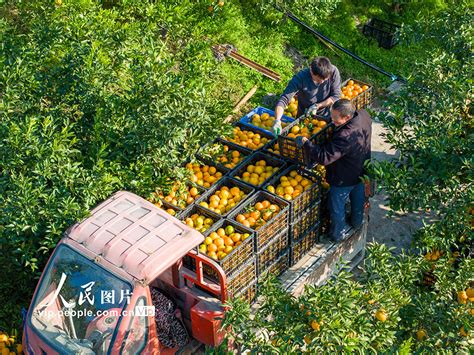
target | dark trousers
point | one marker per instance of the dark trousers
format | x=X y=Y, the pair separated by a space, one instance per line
x=338 y=197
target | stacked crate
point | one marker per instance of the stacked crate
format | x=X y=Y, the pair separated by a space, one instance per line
x=304 y=209
x=272 y=247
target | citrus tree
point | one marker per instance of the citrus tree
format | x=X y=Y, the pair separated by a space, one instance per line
x=92 y=101
x=419 y=302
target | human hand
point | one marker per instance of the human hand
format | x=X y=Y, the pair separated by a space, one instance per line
x=313 y=109
x=300 y=141
x=276 y=128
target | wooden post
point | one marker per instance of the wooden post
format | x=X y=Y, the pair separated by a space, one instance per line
x=242 y=102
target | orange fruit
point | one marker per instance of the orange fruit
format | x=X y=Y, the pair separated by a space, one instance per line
x=228 y=241
x=255 y=215
x=212 y=255
x=221 y=232
x=212 y=248
x=267 y=215
x=251 y=221
x=315 y=325
x=289 y=190
x=421 y=334
x=236 y=237
x=240 y=218
x=381 y=315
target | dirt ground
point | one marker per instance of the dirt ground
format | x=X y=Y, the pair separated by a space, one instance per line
x=396 y=231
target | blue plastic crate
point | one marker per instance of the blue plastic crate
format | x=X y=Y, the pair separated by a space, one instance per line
x=247 y=119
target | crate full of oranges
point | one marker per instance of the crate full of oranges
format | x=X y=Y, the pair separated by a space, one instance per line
x=248 y=137
x=230 y=245
x=258 y=169
x=179 y=196
x=199 y=218
x=266 y=214
x=315 y=129
x=358 y=92
x=204 y=175
x=225 y=155
x=263 y=119
x=225 y=196
x=298 y=186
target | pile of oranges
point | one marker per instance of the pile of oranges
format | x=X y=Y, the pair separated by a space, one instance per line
x=275 y=149
x=247 y=139
x=203 y=175
x=199 y=222
x=257 y=215
x=258 y=173
x=221 y=242
x=292 y=109
x=221 y=153
x=291 y=186
x=181 y=195
x=265 y=121
x=224 y=199
x=9 y=345
x=307 y=128
x=352 y=89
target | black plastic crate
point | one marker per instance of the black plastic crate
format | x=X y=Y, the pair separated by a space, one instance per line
x=201 y=211
x=274 y=226
x=248 y=294
x=308 y=219
x=238 y=256
x=299 y=204
x=243 y=127
x=302 y=246
x=202 y=163
x=275 y=248
x=165 y=206
x=242 y=278
x=229 y=182
x=289 y=150
x=386 y=33
x=205 y=153
x=364 y=99
x=155 y=198
x=270 y=160
x=324 y=213
x=273 y=149
x=278 y=267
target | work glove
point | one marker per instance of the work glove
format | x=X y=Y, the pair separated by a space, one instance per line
x=276 y=128
x=312 y=110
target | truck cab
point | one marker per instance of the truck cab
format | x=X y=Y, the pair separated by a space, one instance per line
x=96 y=294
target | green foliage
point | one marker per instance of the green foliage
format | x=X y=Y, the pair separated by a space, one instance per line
x=93 y=101
x=430 y=125
x=345 y=312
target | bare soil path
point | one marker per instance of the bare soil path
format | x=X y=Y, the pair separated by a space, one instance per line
x=396 y=231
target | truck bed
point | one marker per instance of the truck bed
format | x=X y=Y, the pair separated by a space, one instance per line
x=324 y=260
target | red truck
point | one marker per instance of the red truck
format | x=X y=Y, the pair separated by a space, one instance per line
x=114 y=276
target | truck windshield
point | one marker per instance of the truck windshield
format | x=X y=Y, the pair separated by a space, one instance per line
x=78 y=304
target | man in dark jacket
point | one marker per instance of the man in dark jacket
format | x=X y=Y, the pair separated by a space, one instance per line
x=344 y=157
x=318 y=87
